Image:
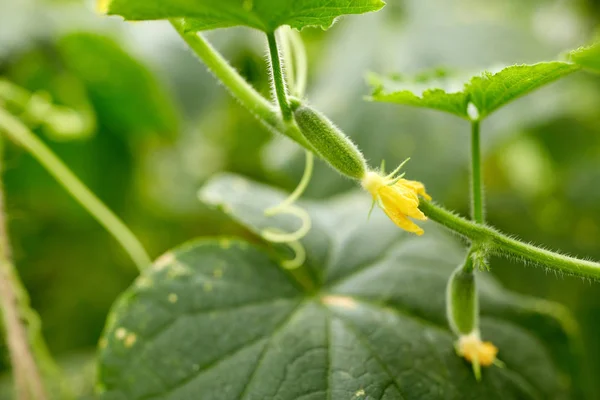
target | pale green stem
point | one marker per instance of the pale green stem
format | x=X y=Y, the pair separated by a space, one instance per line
x=260 y=107
x=20 y=134
x=232 y=80
x=476 y=180
x=497 y=243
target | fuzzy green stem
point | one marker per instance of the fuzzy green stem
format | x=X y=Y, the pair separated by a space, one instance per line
x=260 y=107
x=476 y=180
x=20 y=134
x=233 y=81
x=278 y=77
x=500 y=244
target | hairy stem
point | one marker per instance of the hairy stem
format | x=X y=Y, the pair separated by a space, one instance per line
x=278 y=77
x=497 y=243
x=260 y=107
x=236 y=84
x=19 y=133
x=28 y=382
x=476 y=180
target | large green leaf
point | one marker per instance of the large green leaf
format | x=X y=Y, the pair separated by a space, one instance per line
x=265 y=15
x=220 y=319
x=487 y=92
x=588 y=57
x=125 y=94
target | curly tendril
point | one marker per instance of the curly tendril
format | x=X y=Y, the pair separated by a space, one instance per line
x=287 y=206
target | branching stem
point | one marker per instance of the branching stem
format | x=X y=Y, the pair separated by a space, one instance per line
x=262 y=109
x=500 y=244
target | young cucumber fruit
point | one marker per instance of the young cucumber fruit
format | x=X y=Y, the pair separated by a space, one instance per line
x=330 y=142
x=463 y=307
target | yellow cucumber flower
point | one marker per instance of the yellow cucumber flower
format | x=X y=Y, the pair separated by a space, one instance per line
x=477 y=352
x=472 y=348
x=397 y=197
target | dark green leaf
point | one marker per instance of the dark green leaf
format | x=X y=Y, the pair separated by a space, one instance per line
x=487 y=91
x=588 y=57
x=265 y=15
x=220 y=319
x=125 y=94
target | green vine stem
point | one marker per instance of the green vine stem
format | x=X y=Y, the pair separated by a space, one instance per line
x=237 y=85
x=232 y=80
x=476 y=180
x=20 y=134
x=494 y=242
x=277 y=76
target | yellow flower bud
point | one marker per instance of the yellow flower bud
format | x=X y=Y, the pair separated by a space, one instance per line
x=397 y=197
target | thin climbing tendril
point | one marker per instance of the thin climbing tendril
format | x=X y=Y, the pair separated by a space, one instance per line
x=287 y=206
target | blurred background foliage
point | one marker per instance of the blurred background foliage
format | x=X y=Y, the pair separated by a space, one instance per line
x=155 y=125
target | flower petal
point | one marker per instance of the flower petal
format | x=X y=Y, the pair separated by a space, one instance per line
x=418 y=187
x=403 y=222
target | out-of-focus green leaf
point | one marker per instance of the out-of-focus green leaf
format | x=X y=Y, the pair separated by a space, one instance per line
x=220 y=319
x=43 y=94
x=487 y=91
x=125 y=94
x=588 y=57
x=265 y=15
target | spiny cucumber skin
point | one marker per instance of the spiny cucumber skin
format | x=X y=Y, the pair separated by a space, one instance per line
x=330 y=142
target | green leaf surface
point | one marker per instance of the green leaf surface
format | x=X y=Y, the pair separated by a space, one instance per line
x=588 y=57
x=265 y=15
x=220 y=319
x=487 y=91
x=126 y=95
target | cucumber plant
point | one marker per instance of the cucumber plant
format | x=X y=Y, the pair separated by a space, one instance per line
x=324 y=303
